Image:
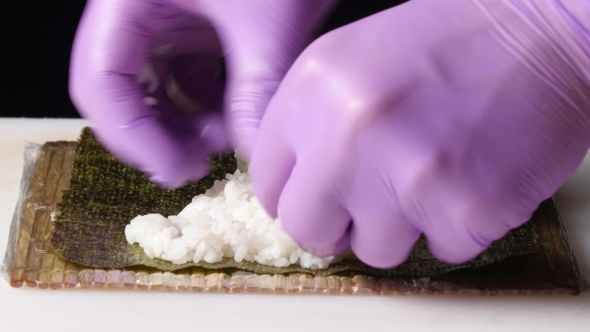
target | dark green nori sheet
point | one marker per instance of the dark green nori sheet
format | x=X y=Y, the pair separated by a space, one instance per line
x=104 y=195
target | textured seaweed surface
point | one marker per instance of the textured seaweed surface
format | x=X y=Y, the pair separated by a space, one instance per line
x=104 y=195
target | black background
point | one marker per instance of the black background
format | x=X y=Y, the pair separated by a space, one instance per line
x=38 y=37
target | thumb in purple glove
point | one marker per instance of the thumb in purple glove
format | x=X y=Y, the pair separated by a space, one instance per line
x=453 y=119
x=147 y=76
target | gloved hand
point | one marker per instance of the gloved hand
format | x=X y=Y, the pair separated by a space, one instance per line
x=147 y=75
x=453 y=118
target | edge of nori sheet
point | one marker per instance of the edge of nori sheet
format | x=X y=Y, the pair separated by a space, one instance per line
x=89 y=227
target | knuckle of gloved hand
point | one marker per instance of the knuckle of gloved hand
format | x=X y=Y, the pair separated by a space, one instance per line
x=321 y=57
x=349 y=97
x=427 y=178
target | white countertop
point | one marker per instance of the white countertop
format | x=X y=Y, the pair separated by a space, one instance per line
x=109 y=310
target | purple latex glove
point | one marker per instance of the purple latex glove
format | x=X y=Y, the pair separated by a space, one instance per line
x=452 y=118
x=146 y=75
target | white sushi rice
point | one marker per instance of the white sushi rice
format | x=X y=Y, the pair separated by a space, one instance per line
x=227 y=221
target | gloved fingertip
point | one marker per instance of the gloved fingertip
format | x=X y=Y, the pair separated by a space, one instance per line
x=212 y=134
x=244 y=150
x=382 y=240
x=165 y=181
x=175 y=175
x=456 y=251
x=385 y=259
x=270 y=168
x=313 y=220
x=330 y=250
x=271 y=209
x=242 y=136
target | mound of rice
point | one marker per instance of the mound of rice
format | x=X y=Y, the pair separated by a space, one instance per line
x=227 y=221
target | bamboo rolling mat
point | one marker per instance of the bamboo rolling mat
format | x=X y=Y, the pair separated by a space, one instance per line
x=47 y=175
